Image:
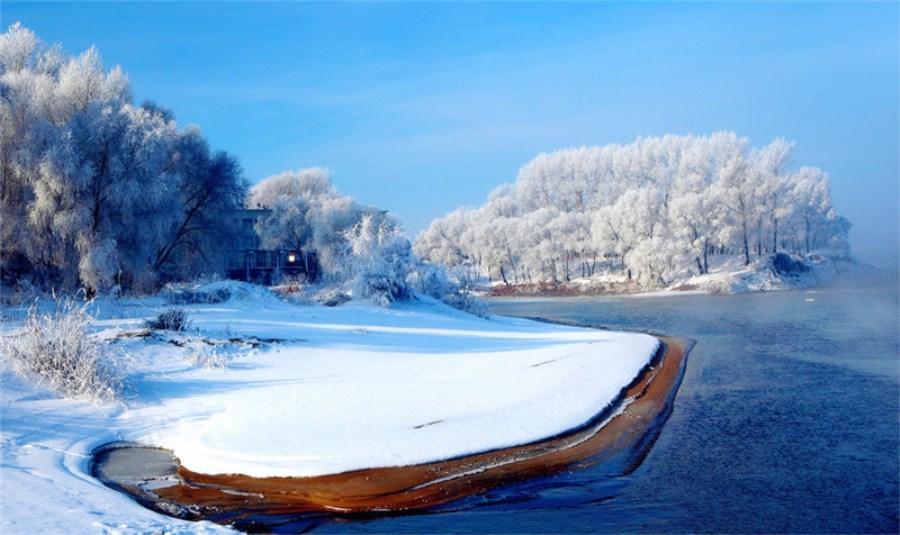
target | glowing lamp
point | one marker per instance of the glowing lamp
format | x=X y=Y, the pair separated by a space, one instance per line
x=292 y=258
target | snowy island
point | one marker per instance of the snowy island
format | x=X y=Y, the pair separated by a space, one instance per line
x=262 y=387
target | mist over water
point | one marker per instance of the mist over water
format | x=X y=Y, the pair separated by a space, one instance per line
x=787 y=421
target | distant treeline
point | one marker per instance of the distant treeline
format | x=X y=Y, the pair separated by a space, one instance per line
x=656 y=209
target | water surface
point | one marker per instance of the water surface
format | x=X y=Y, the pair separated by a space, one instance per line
x=786 y=421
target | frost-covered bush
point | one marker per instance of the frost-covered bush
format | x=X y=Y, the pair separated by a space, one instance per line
x=332 y=297
x=23 y=292
x=57 y=350
x=173 y=319
x=291 y=286
x=784 y=264
x=466 y=301
x=382 y=276
x=433 y=281
x=206 y=357
x=383 y=261
x=195 y=296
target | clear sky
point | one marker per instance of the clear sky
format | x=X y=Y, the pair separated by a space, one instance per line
x=420 y=108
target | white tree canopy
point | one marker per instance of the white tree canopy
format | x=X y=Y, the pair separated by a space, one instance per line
x=653 y=208
x=95 y=190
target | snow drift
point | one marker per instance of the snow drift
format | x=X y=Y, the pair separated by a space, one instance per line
x=303 y=390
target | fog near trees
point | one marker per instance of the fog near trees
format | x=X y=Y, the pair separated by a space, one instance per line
x=654 y=210
x=98 y=192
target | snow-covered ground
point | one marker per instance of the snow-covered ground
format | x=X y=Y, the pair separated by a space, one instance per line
x=728 y=274
x=305 y=390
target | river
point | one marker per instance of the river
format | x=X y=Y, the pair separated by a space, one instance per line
x=787 y=421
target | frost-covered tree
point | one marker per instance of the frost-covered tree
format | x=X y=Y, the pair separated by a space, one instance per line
x=309 y=184
x=653 y=209
x=208 y=186
x=356 y=245
x=288 y=226
x=97 y=191
x=382 y=259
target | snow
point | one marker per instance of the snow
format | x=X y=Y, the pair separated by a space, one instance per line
x=729 y=275
x=655 y=207
x=45 y=445
x=341 y=388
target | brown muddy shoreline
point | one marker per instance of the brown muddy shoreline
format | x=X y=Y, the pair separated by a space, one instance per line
x=597 y=289
x=623 y=431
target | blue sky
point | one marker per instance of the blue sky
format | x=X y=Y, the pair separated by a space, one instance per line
x=420 y=108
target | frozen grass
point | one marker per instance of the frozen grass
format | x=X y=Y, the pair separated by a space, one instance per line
x=433 y=281
x=466 y=301
x=332 y=297
x=58 y=351
x=207 y=358
x=192 y=296
x=173 y=319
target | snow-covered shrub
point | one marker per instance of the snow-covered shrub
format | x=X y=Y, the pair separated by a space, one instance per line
x=194 y=296
x=464 y=297
x=466 y=301
x=383 y=260
x=298 y=295
x=433 y=281
x=382 y=277
x=206 y=357
x=99 y=263
x=23 y=292
x=292 y=285
x=57 y=350
x=784 y=264
x=173 y=319
x=332 y=297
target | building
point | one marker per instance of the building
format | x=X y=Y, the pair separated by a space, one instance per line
x=247 y=261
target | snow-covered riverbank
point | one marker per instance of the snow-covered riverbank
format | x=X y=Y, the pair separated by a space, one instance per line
x=727 y=275
x=305 y=390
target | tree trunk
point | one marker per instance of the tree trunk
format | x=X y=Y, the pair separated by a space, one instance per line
x=775 y=235
x=705 y=258
x=746 y=244
x=806 y=222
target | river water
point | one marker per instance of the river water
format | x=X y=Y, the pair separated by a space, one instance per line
x=787 y=421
